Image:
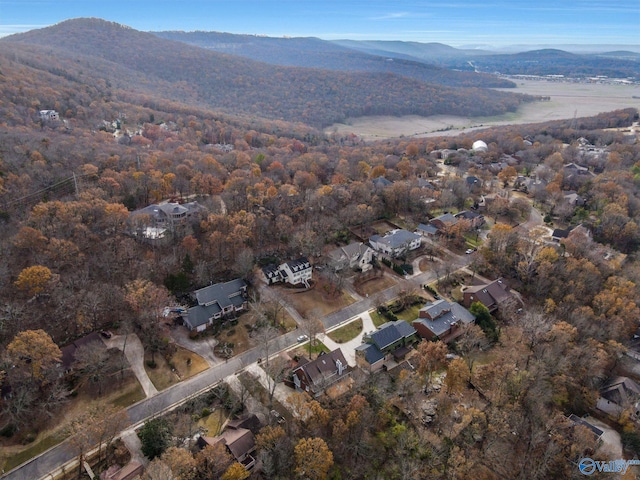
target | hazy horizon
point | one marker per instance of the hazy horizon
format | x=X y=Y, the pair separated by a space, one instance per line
x=497 y=24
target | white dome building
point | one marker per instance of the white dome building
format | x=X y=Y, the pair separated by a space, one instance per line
x=479 y=146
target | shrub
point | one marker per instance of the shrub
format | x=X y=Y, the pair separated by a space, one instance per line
x=205 y=412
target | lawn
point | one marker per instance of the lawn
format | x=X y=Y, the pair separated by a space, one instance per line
x=177 y=369
x=213 y=422
x=316 y=348
x=375 y=285
x=317 y=302
x=128 y=395
x=347 y=332
x=377 y=318
x=411 y=313
x=33 y=450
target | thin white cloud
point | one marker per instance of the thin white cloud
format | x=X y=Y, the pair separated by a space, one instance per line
x=392 y=16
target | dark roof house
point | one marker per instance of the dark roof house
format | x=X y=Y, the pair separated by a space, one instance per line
x=216 y=301
x=315 y=376
x=491 y=295
x=392 y=339
x=442 y=319
x=240 y=442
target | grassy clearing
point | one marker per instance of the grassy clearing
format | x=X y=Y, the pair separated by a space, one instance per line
x=377 y=318
x=188 y=363
x=411 y=313
x=347 y=332
x=129 y=395
x=35 y=449
x=375 y=285
x=161 y=376
x=316 y=302
x=311 y=350
x=213 y=423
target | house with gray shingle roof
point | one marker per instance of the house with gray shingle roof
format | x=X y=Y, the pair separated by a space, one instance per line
x=216 y=302
x=354 y=255
x=395 y=242
x=315 y=376
x=392 y=339
x=442 y=319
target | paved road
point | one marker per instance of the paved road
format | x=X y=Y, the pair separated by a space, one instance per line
x=50 y=461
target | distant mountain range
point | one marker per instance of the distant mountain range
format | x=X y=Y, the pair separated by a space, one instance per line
x=119 y=61
x=424 y=61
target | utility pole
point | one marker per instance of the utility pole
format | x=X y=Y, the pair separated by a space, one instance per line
x=75 y=183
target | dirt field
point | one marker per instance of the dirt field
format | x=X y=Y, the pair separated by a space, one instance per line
x=567 y=100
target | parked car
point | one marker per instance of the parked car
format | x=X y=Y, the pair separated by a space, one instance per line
x=303 y=338
x=469 y=251
x=106 y=333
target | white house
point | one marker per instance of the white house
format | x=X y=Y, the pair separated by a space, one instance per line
x=396 y=242
x=51 y=115
x=293 y=272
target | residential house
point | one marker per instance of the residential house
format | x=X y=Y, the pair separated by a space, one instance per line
x=154 y=221
x=444 y=221
x=597 y=432
x=240 y=442
x=396 y=242
x=49 y=115
x=356 y=255
x=491 y=295
x=91 y=340
x=476 y=219
x=617 y=395
x=426 y=230
x=216 y=302
x=442 y=319
x=380 y=183
x=315 y=376
x=391 y=340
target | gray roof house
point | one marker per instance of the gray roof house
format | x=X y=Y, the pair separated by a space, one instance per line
x=392 y=339
x=395 y=242
x=354 y=255
x=154 y=221
x=215 y=302
x=315 y=376
x=618 y=394
x=442 y=319
x=491 y=295
x=293 y=272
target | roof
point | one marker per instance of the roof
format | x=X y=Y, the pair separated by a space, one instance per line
x=252 y=422
x=446 y=218
x=391 y=332
x=430 y=229
x=490 y=294
x=200 y=314
x=372 y=354
x=468 y=215
x=621 y=390
x=220 y=292
x=396 y=238
x=271 y=271
x=443 y=315
x=240 y=441
x=299 y=264
x=348 y=252
x=69 y=351
x=561 y=233
x=323 y=366
x=381 y=182
x=581 y=421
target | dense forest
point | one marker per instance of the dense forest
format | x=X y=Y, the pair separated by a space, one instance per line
x=276 y=189
x=97 y=52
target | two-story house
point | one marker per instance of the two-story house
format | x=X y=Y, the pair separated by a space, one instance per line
x=294 y=272
x=355 y=255
x=442 y=319
x=395 y=243
x=216 y=302
x=391 y=340
x=315 y=376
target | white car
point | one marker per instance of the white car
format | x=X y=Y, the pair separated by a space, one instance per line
x=469 y=251
x=303 y=338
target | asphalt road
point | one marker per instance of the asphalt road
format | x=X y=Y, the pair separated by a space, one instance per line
x=40 y=467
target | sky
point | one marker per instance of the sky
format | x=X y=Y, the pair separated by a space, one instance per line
x=454 y=22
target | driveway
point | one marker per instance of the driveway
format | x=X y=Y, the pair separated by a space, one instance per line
x=348 y=348
x=203 y=346
x=134 y=352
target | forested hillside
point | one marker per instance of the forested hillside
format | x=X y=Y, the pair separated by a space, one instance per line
x=316 y=53
x=136 y=61
x=561 y=211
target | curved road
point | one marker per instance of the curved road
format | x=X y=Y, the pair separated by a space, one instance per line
x=53 y=459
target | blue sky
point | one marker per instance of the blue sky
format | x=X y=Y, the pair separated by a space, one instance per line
x=456 y=23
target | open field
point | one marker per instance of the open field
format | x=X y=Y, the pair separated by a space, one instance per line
x=567 y=99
